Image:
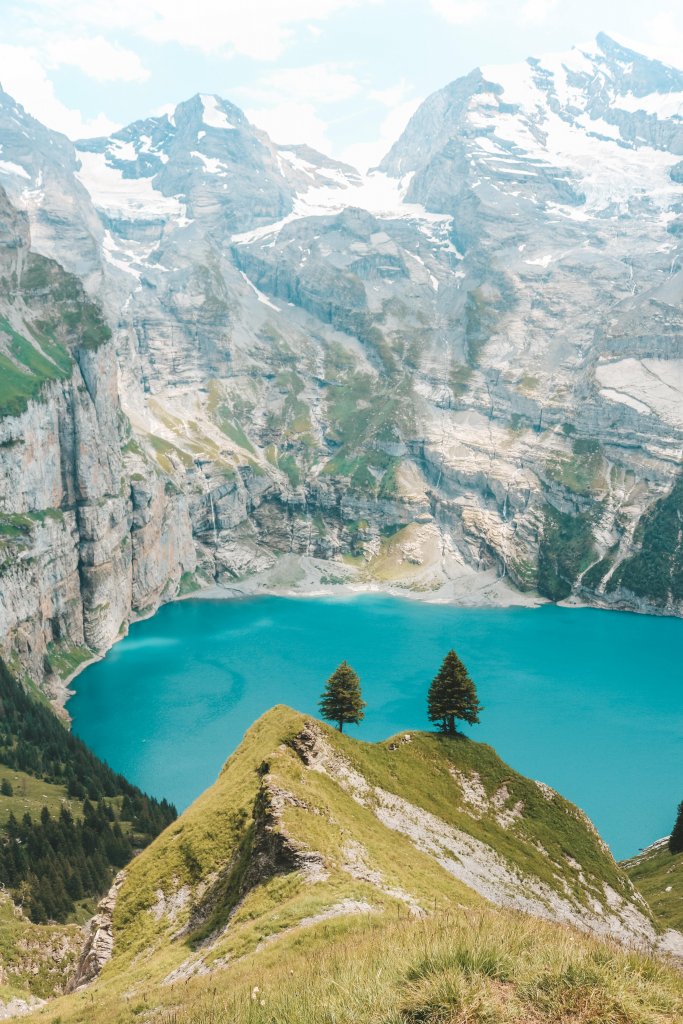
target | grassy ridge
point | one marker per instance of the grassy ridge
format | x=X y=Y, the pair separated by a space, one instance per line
x=279 y=879
x=658 y=875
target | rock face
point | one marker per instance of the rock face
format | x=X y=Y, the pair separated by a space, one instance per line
x=99 y=942
x=469 y=361
x=83 y=543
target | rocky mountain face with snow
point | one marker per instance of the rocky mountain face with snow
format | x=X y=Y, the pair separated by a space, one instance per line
x=462 y=371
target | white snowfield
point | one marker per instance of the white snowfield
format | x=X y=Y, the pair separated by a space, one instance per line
x=128 y=198
x=7 y=167
x=214 y=117
x=607 y=169
x=376 y=192
x=650 y=386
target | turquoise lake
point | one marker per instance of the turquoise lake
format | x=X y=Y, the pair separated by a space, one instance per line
x=590 y=702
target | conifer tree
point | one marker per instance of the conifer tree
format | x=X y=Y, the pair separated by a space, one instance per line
x=341 y=701
x=676 y=837
x=452 y=696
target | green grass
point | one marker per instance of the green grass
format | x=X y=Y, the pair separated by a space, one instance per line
x=162 y=449
x=36 y=959
x=65 y=659
x=222 y=888
x=422 y=774
x=458 y=967
x=31 y=795
x=23 y=375
x=582 y=472
x=658 y=875
x=188 y=584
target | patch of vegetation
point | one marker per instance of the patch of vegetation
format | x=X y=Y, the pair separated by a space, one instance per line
x=581 y=473
x=64 y=659
x=227 y=415
x=132 y=447
x=364 y=421
x=459 y=379
x=594 y=576
x=36 y=959
x=29 y=795
x=188 y=584
x=15 y=525
x=280 y=955
x=658 y=875
x=162 y=449
x=655 y=570
x=287 y=463
x=566 y=550
x=528 y=383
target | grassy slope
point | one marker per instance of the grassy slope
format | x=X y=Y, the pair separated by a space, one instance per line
x=658 y=874
x=34 y=959
x=31 y=795
x=227 y=887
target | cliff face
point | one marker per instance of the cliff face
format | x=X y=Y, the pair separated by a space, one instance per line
x=462 y=371
x=83 y=545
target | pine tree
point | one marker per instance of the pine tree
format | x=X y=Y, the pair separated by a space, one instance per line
x=676 y=837
x=452 y=696
x=341 y=701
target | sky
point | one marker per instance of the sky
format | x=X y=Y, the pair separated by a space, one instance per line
x=343 y=76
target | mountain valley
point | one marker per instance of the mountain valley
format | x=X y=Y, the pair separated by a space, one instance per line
x=458 y=374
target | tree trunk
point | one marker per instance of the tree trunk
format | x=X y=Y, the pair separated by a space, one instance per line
x=341 y=727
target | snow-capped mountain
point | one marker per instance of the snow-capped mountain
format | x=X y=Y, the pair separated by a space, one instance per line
x=462 y=366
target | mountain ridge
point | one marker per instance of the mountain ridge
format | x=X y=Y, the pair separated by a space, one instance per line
x=458 y=374
x=309 y=836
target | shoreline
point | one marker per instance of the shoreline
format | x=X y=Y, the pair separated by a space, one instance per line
x=303 y=576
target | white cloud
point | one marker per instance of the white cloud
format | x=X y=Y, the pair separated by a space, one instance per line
x=368 y=154
x=258 y=28
x=327 y=83
x=97 y=58
x=296 y=114
x=460 y=12
x=24 y=78
x=286 y=103
x=537 y=10
x=292 y=123
x=664 y=38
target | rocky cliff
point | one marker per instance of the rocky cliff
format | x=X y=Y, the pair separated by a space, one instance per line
x=90 y=533
x=461 y=372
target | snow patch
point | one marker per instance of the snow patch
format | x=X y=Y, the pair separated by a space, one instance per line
x=259 y=295
x=647 y=385
x=129 y=198
x=377 y=193
x=211 y=164
x=657 y=104
x=7 y=167
x=214 y=117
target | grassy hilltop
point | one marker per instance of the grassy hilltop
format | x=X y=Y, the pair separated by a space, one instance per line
x=322 y=879
x=658 y=875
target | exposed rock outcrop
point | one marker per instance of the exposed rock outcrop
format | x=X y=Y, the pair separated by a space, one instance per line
x=98 y=945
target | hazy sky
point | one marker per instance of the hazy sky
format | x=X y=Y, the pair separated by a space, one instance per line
x=342 y=75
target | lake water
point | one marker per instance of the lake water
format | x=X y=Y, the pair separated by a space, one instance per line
x=590 y=702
